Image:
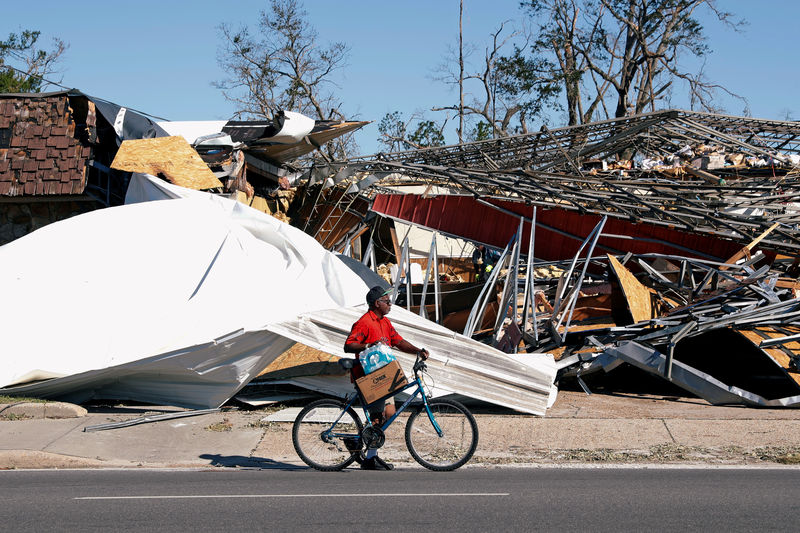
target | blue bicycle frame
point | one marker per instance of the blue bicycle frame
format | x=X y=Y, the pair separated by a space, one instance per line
x=417 y=382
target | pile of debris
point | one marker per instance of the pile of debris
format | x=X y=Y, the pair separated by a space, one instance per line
x=688 y=224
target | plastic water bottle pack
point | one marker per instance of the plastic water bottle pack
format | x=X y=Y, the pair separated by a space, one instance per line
x=375 y=357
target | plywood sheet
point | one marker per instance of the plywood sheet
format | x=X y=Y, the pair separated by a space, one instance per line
x=777 y=354
x=170 y=157
x=636 y=294
x=302 y=360
x=261 y=204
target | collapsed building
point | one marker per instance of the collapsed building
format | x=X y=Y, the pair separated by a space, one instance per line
x=666 y=240
x=57 y=153
x=152 y=315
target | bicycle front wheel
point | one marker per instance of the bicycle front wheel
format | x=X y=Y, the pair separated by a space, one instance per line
x=321 y=441
x=456 y=444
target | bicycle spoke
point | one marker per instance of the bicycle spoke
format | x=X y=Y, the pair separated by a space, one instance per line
x=456 y=444
x=322 y=444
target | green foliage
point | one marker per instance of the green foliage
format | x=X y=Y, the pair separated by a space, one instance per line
x=19 y=399
x=529 y=80
x=395 y=137
x=31 y=63
x=480 y=131
x=427 y=134
x=392 y=131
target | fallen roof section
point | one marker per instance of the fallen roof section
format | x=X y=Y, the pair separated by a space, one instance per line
x=457 y=363
x=665 y=131
x=700 y=383
x=155 y=315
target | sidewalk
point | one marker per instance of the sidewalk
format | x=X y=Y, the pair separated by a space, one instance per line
x=611 y=429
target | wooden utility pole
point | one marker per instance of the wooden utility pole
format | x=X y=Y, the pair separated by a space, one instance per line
x=461 y=72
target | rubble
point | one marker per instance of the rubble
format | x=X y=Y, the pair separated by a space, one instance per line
x=669 y=241
x=658 y=238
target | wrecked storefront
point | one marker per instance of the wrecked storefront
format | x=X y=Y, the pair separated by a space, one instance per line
x=697 y=211
x=666 y=241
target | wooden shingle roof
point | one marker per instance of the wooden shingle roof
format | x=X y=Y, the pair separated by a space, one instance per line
x=41 y=152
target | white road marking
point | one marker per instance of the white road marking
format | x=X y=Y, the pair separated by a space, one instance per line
x=358 y=495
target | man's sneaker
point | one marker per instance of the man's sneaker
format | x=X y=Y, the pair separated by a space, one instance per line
x=376 y=463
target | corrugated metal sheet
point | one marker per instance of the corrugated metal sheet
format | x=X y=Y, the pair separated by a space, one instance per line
x=465 y=217
x=457 y=364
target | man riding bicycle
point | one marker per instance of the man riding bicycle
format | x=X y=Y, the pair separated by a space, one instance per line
x=373 y=327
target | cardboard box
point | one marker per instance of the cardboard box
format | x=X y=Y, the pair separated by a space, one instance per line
x=382 y=382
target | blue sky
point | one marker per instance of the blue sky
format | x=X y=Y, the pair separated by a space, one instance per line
x=161 y=56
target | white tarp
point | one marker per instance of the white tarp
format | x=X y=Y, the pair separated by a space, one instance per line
x=192 y=129
x=183 y=301
x=133 y=284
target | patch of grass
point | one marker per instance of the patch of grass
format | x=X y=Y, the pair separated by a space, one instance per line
x=787 y=455
x=20 y=399
x=662 y=453
x=225 y=425
x=790 y=459
x=14 y=416
x=261 y=424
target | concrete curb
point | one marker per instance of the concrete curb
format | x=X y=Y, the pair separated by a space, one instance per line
x=612 y=430
x=25 y=410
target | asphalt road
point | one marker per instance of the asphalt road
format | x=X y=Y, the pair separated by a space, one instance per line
x=471 y=499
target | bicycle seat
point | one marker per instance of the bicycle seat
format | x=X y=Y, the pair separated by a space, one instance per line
x=347 y=363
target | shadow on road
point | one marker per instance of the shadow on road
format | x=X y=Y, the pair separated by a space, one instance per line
x=249 y=462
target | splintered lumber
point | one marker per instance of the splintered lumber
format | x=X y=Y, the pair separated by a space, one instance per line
x=170 y=157
x=637 y=295
x=745 y=251
x=708 y=176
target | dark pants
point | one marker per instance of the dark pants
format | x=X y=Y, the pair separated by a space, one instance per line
x=480 y=271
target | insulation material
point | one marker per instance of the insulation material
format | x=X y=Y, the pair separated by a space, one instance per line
x=636 y=294
x=171 y=157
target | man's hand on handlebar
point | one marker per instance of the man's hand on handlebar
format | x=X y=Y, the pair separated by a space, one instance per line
x=419 y=364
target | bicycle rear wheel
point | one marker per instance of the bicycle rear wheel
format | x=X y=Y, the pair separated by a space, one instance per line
x=457 y=443
x=319 y=442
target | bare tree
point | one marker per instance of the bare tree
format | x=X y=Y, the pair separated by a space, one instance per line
x=623 y=56
x=281 y=65
x=23 y=66
x=500 y=100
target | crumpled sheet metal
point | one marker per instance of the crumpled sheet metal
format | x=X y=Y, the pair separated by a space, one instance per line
x=197 y=377
x=457 y=364
x=703 y=385
x=154 y=314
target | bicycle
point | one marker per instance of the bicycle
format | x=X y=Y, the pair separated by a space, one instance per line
x=440 y=434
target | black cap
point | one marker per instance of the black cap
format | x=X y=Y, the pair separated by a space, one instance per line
x=376 y=292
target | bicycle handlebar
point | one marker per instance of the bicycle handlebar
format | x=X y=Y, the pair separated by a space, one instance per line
x=419 y=365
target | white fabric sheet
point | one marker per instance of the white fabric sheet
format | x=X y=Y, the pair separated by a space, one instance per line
x=129 y=283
